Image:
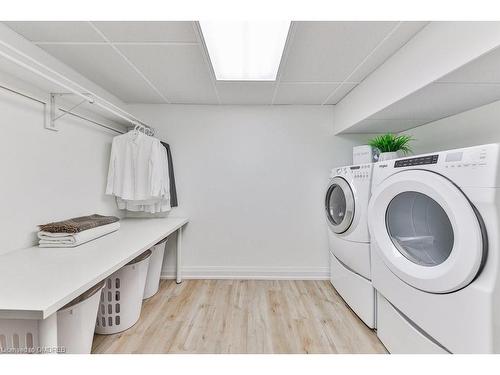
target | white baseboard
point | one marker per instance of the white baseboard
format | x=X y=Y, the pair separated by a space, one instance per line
x=251 y=273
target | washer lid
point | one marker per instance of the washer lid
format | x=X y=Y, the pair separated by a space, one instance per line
x=339 y=205
x=427 y=231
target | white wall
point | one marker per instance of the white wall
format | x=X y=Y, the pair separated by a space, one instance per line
x=48 y=175
x=474 y=127
x=252 y=180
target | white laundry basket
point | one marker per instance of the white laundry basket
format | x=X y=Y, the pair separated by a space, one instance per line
x=154 y=270
x=121 y=299
x=18 y=336
x=76 y=322
x=75 y=328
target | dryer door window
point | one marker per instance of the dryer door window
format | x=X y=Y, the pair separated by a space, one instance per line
x=419 y=228
x=339 y=205
x=426 y=231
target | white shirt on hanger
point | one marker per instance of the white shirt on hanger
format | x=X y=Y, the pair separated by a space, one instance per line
x=138 y=173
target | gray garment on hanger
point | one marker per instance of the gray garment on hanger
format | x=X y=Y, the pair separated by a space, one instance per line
x=173 y=191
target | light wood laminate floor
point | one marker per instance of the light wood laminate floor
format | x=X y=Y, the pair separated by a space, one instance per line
x=244 y=316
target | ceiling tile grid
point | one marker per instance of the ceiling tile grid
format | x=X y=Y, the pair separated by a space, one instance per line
x=139 y=62
x=148 y=31
x=54 y=32
x=328 y=51
x=95 y=61
x=178 y=71
x=304 y=93
x=247 y=92
x=167 y=61
x=338 y=52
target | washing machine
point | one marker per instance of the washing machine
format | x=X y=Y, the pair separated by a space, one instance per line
x=434 y=223
x=346 y=205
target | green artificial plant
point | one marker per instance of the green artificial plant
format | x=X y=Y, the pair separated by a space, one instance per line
x=391 y=143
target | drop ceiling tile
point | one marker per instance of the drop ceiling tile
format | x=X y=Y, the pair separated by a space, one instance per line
x=147 y=31
x=104 y=66
x=340 y=93
x=55 y=31
x=330 y=51
x=245 y=92
x=404 y=32
x=384 y=126
x=439 y=100
x=179 y=71
x=304 y=93
x=484 y=69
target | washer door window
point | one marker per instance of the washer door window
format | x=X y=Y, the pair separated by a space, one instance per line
x=426 y=230
x=339 y=204
x=419 y=228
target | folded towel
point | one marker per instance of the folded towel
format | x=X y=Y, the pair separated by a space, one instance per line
x=48 y=239
x=78 y=224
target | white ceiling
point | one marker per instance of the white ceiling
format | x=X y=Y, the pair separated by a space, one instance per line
x=167 y=62
x=471 y=86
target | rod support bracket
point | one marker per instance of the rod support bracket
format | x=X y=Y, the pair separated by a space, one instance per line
x=50 y=113
x=53 y=112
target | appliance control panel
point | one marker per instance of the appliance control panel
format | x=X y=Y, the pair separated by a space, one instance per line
x=465 y=158
x=360 y=171
x=476 y=166
x=421 y=160
x=460 y=158
x=356 y=171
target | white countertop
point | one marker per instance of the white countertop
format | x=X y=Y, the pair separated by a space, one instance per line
x=36 y=282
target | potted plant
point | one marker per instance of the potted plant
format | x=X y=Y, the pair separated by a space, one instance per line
x=391 y=146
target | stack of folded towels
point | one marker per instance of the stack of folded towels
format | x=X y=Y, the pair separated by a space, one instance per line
x=76 y=231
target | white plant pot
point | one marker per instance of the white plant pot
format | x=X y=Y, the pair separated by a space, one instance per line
x=384 y=156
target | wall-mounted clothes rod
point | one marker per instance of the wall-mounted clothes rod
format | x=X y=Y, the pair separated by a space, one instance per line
x=65 y=111
x=93 y=122
x=80 y=91
x=27 y=96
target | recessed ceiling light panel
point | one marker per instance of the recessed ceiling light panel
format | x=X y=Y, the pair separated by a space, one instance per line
x=245 y=51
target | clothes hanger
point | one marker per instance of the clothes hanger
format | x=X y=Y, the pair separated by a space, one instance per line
x=143 y=129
